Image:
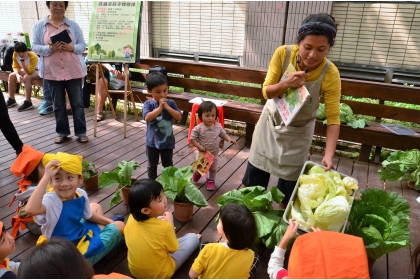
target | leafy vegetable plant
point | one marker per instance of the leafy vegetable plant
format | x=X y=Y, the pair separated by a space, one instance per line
x=121 y=175
x=88 y=169
x=346 y=116
x=323 y=199
x=270 y=225
x=178 y=187
x=400 y=164
x=381 y=218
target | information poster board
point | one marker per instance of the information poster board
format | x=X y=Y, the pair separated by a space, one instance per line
x=114 y=32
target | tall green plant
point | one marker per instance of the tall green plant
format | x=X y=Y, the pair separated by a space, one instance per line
x=270 y=225
x=121 y=175
x=178 y=187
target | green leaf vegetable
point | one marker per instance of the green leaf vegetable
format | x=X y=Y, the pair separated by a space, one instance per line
x=381 y=218
x=88 y=169
x=400 y=164
x=323 y=199
x=270 y=225
x=121 y=175
x=178 y=187
x=346 y=116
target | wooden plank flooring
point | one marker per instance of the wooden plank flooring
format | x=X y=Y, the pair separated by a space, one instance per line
x=110 y=147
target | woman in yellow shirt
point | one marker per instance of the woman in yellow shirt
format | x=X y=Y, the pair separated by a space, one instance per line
x=282 y=150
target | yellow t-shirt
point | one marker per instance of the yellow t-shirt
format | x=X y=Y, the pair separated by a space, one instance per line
x=217 y=261
x=31 y=61
x=330 y=86
x=149 y=244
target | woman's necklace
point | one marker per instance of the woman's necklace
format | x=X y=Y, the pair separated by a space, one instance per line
x=53 y=22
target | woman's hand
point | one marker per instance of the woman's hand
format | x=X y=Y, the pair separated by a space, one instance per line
x=55 y=47
x=66 y=47
x=297 y=79
x=328 y=163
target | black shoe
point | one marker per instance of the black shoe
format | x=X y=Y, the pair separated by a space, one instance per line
x=11 y=103
x=25 y=106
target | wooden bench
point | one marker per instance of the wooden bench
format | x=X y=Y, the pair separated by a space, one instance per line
x=181 y=73
x=4 y=76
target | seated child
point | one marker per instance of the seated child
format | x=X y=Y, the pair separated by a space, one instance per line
x=205 y=136
x=325 y=254
x=29 y=164
x=232 y=258
x=58 y=259
x=8 y=269
x=60 y=211
x=153 y=249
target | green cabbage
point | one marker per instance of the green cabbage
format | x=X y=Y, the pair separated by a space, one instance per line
x=381 y=218
x=321 y=111
x=346 y=116
x=323 y=199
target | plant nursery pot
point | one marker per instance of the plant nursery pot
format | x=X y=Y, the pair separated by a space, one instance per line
x=411 y=184
x=183 y=211
x=92 y=183
x=371 y=262
x=124 y=195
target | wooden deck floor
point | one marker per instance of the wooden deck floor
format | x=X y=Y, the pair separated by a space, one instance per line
x=109 y=147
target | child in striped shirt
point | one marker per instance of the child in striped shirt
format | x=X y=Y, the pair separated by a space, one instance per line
x=205 y=136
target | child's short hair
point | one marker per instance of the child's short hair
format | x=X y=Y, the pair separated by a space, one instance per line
x=55 y=259
x=155 y=79
x=239 y=226
x=142 y=192
x=21 y=47
x=206 y=106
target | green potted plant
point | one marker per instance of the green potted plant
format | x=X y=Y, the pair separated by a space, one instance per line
x=381 y=219
x=90 y=174
x=121 y=175
x=401 y=164
x=270 y=225
x=178 y=188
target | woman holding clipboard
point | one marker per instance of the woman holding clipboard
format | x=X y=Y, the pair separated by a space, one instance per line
x=280 y=150
x=60 y=44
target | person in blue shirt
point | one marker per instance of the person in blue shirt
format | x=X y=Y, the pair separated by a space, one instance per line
x=158 y=113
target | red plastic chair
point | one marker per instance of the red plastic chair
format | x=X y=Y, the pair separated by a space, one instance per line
x=220 y=119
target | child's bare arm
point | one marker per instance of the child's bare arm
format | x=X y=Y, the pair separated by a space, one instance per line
x=153 y=114
x=174 y=113
x=100 y=219
x=289 y=234
x=34 y=206
x=193 y=274
x=197 y=145
x=228 y=139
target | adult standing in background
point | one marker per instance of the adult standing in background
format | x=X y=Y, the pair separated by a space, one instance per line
x=7 y=127
x=280 y=150
x=63 y=67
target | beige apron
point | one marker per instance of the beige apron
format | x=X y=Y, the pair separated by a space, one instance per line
x=280 y=150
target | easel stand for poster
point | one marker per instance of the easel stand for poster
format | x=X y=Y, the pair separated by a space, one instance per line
x=126 y=91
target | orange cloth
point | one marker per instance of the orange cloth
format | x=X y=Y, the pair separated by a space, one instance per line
x=327 y=254
x=25 y=163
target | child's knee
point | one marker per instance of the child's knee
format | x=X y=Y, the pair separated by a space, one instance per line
x=95 y=207
x=120 y=225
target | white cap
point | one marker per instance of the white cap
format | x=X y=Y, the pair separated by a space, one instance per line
x=4 y=41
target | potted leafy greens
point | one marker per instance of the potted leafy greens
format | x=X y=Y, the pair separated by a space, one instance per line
x=178 y=188
x=381 y=218
x=270 y=225
x=400 y=164
x=90 y=175
x=121 y=175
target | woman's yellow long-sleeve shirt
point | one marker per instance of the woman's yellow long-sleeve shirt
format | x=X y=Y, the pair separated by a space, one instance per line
x=330 y=87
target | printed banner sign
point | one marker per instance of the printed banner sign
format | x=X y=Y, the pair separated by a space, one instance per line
x=113 y=33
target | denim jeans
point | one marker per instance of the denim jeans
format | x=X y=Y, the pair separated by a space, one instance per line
x=75 y=92
x=47 y=92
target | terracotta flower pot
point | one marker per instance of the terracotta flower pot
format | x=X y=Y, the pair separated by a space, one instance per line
x=411 y=184
x=183 y=211
x=371 y=262
x=124 y=195
x=92 y=183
